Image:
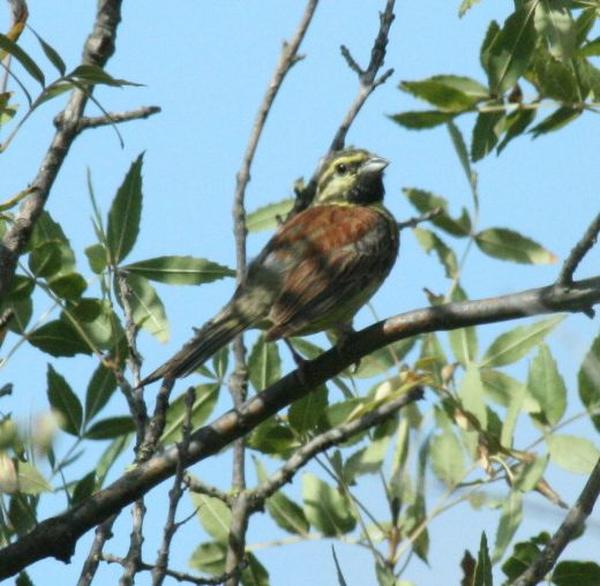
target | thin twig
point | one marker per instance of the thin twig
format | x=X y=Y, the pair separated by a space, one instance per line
x=175 y=494
x=58 y=535
x=98 y=48
x=569 y=529
x=414 y=222
x=323 y=441
x=132 y=561
x=200 y=487
x=579 y=251
x=368 y=82
x=111 y=118
x=179 y=576
x=90 y=566
x=239 y=380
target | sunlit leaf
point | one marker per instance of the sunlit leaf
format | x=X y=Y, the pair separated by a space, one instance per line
x=430 y=241
x=574 y=454
x=514 y=344
x=421 y=120
x=266 y=217
x=214 y=515
x=559 y=118
x=447 y=458
x=264 y=364
x=553 y=20
x=209 y=557
x=110 y=428
x=305 y=413
x=31 y=480
x=96 y=75
x=58 y=338
x=547 y=386
x=510 y=520
x=486 y=133
x=509 y=245
x=589 y=382
x=448 y=93
x=23 y=58
x=179 y=270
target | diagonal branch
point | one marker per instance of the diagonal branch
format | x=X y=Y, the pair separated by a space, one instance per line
x=98 y=48
x=57 y=536
x=570 y=529
x=579 y=251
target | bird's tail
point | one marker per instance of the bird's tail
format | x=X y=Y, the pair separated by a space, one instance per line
x=207 y=340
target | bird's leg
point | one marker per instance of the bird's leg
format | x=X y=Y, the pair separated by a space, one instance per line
x=299 y=360
x=343 y=334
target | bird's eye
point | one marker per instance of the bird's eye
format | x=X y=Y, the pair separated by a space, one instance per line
x=341 y=169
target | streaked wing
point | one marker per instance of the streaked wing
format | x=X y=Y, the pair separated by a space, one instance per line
x=343 y=254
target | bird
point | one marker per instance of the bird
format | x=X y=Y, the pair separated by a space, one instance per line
x=318 y=269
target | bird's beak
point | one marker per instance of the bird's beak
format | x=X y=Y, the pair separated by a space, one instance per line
x=374 y=165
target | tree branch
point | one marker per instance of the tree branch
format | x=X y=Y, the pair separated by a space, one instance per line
x=98 y=48
x=57 y=536
x=579 y=251
x=325 y=440
x=239 y=380
x=111 y=118
x=569 y=529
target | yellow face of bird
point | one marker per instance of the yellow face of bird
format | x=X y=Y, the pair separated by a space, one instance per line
x=351 y=176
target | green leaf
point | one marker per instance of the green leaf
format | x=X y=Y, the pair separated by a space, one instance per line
x=464 y=340
x=492 y=32
x=431 y=241
x=254 y=574
x=100 y=389
x=421 y=120
x=530 y=474
x=470 y=393
x=109 y=457
x=19 y=301
x=23 y=58
x=574 y=454
x=23 y=579
x=553 y=20
x=326 y=509
x=509 y=245
x=511 y=49
x=448 y=93
x=30 y=479
x=84 y=488
x=124 y=215
x=58 y=338
x=447 y=458
x=516 y=343
x=515 y=124
x=264 y=364
x=553 y=79
x=591 y=49
x=285 y=512
x=367 y=460
x=204 y=403
x=147 y=308
x=180 y=270
x=266 y=217
x=70 y=286
x=458 y=142
x=96 y=254
x=47 y=230
x=547 y=386
x=209 y=557
x=214 y=515
x=510 y=520
x=94 y=74
x=383 y=359
x=589 y=382
x=51 y=53
x=465 y=6
x=110 y=428
x=304 y=414
x=523 y=555
x=274 y=438
x=98 y=321
x=425 y=201
x=46 y=260
x=65 y=401
x=569 y=573
x=514 y=404
x=486 y=133
x=483 y=569
x=556 y=120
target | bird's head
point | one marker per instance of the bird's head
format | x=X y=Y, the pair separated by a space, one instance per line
x=352 y=176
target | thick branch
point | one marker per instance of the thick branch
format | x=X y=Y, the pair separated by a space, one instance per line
x=569 y=529
x=57 y=536
x=99 y=47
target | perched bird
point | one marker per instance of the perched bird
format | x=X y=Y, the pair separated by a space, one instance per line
x=316 y=272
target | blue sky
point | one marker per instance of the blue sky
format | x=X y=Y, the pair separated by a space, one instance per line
x=207 y=65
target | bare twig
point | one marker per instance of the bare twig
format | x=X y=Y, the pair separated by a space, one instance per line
x=111 y=118
x=132 y=561
x=414 y=222
x=57 y=536
x=179 y=576
x=579 y=251
x=367 y=77
x=239 y=380
x=199 y=487
x=175 y=494
x=368 y=82
x=90 y=566
x=323 y=441
x=569 y=529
